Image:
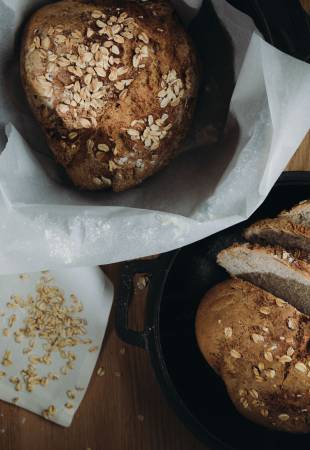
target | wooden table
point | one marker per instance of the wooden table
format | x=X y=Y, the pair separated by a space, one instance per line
x=124 y=409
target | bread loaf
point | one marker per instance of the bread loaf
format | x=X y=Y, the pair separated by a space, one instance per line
x=113 y=84
x=278 y=271
x=258 y=344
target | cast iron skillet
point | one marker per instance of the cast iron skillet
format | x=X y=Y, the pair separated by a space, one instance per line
x=177 y=281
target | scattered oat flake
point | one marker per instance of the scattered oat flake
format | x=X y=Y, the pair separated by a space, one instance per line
x=7 y=358
x=271 y=373
x=261 y=366
x=253 y=393
x=122 y=351
x=228 y=332
x=290 y=351
x=11 y=320
x=280 y=302
x=268 y=356
x=69 y=405
x=49 y=412
x=101 y=372
x=140 y=417
x=283 y=417
x=256 y=371
x=103 y=147
x=272 y=347
x=291 y=323
x=96 y=14
x=245 y=404
x=301 y=367
x=265 y=310
x=117 y=374
x=257 y=338
x=235 y=354
x=71 y=394
x=285 y=359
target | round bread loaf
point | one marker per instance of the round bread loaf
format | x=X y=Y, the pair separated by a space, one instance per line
x=113 y=84
x=258 y=344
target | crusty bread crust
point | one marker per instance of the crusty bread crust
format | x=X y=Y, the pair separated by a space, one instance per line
x=299 y=213
x=258 y=344
x=280 y=231
x=113 y=84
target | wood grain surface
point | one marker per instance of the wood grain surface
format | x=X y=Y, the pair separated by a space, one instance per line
x=124 y=409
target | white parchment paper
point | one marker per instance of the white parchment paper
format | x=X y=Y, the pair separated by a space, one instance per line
x=44 y=224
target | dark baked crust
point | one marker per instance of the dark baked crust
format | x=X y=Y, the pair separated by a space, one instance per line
x=258 y=343
x=280 y=231
x=78 y=114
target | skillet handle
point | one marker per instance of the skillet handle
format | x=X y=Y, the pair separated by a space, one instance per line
x=156 y=269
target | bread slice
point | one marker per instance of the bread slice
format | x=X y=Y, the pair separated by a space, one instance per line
x=299 y=214
x=273 y=269
x=280 y=231
x=257 y=343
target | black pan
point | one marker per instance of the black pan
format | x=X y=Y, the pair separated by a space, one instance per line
x=177 y=281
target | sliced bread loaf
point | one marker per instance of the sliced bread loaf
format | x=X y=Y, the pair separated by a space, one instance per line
x=298 y=214
x=280 y=231
x=271 y=268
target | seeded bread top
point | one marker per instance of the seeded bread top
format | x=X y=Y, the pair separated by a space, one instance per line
x=258 y=344
x=112 y=84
